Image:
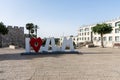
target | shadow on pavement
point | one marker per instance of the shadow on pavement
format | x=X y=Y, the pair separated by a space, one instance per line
x=96 y=52
x=18 y=56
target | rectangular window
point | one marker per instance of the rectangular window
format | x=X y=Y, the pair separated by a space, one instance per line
x=99 y=38
x=82 y=38
x=88 y=38
x=81 y=30
x=95 y=38
x=82 y=33
x=85 y=38
x=86 y=29
x=116 y=38
x=116 y=30
x=110 y=38
x=104 y=39
x=88 y=33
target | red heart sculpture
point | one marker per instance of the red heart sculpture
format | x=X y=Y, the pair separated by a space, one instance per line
x=36 y=43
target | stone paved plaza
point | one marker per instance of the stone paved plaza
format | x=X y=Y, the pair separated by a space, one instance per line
x=90 y=64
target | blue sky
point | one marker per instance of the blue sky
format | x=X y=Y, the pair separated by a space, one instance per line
x=57 y=17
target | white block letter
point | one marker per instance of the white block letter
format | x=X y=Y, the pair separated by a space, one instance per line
x=67 y=43
x=27 y=45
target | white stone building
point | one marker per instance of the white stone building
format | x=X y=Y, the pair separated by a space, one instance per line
x=85 y=34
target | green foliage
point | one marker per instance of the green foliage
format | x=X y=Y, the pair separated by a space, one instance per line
x=32 y=29
x=29 y=26
x=102 y=29
x=3 y=29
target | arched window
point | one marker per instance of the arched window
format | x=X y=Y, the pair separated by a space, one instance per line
x=81 y=30
x=117 y=23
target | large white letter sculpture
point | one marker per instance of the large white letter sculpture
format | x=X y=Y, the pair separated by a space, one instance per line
x=67 y=43
x=27 y=45
x=53 y=46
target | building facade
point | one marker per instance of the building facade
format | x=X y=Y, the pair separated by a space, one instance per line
x=85 y=34
x=15 y=37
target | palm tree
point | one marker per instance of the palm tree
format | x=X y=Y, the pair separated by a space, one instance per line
x=102 y=29
x=29 y=27
x=3 y=31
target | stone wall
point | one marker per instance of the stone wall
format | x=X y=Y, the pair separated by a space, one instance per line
x=15 y=37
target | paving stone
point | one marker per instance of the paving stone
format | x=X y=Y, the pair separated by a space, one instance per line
x=92 y=64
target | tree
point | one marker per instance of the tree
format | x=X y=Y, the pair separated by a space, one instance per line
x=102 y=29
x=3 y=31
x=29 y=27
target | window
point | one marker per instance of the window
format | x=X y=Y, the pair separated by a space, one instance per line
x=117 y=24
x=77 y=39
x=85 y=33
x=99 y=38
x=82 y=33
x=116 y=30
x=85 y=38
x=82 y=38
x=88 y=38
x=86 y=29
x=110 y=38
x=81 y=30
x=95 y=38
x=88 y=33
x=116 y=38
x=104 y=39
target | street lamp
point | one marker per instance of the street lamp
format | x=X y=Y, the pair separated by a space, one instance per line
x=36 y=27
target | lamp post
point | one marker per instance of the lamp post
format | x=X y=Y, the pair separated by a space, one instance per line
x=36 y=27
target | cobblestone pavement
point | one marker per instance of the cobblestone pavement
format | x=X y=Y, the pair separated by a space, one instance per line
x=90 y=64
